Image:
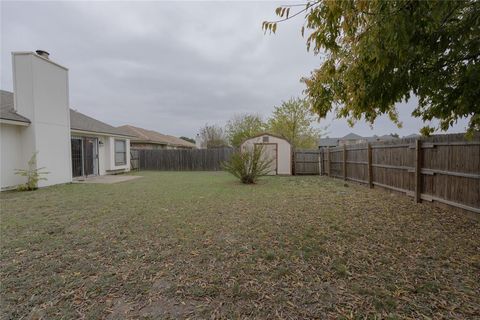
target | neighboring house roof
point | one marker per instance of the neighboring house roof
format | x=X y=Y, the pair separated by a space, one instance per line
x=352 y=136
x=413 y=135
x=332 y=142
x=6 y=108
x=81 y=122
x=386 y=137
x=78 y=121
x=328 y=142
x=154 y=137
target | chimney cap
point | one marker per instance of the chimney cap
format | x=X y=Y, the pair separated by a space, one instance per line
x=43 y=53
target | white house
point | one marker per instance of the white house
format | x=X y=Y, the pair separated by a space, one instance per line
x=274 y=147
x=36 y=118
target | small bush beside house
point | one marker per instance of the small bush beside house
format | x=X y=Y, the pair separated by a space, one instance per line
x=32 y=174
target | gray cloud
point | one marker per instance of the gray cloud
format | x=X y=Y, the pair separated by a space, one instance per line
x=167 y=66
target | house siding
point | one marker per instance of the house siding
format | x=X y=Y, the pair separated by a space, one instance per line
x=110 y=166
x=41 y=95
x=11 y=154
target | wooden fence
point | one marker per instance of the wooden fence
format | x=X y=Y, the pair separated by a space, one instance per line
x=442 y=168
x=182 y=159
x=306 y=162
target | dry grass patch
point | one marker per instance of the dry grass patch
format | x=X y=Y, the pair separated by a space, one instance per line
x=201 y=245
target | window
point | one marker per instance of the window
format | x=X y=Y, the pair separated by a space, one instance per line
x=120 y=152
x=265 y=139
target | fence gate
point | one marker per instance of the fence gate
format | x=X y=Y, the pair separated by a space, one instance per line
x=306 y=162
x=134 y=160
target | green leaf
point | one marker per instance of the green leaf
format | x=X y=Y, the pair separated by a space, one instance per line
x=377 y=53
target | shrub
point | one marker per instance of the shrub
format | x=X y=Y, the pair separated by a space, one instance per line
x=248 y=165
x=32 y=173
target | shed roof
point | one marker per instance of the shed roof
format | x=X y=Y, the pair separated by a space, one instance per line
x=265 y=134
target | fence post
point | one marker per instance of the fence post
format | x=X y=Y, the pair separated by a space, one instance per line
x=370 y=168
x=293 y=161
x=418 y=170
x=329 y=161
x=320 y=160
x=344 y=162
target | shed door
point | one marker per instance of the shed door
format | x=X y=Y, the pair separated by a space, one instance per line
x=270 y=153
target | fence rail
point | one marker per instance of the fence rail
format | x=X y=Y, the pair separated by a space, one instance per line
x=442 y=168
x=182 y=159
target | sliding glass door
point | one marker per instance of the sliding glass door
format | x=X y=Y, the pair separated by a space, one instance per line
x=84 y=156
x=77 y=157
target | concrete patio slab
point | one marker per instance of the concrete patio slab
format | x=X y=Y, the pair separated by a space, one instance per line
x=108 y=179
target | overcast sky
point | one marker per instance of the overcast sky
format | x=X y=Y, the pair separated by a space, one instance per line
x=172 y=67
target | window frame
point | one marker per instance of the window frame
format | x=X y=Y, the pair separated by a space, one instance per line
x=124 y=152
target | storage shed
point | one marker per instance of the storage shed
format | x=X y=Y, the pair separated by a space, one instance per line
x=274 y=147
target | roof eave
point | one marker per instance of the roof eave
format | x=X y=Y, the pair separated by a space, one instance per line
x=150 y=142
x=100 y=133
x=15 y=122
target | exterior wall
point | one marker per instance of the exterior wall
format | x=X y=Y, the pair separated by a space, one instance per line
x=110 y=155
x=106 y=153
x=41 y=95
x=102 y=156
x=284 y=152
x=11 y=154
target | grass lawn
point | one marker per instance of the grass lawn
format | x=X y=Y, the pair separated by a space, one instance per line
x=201 y=245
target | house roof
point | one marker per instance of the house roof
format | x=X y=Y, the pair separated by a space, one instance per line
x=6 y=108
x=154 y=137
x=78 y=121
x=82 y=122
